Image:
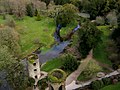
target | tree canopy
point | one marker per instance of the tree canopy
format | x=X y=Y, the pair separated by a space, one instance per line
x=88 y=36
x=66 y=14
x=10 y=38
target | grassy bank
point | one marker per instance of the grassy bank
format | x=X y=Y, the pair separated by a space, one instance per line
x=112 y=87
x=53 y=64
x=100 y=53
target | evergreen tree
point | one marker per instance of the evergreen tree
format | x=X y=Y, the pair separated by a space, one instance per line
x=30 y=10
x=66 y=14
x=88 y=36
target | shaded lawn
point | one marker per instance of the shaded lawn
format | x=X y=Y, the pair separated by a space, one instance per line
x=112 y=87
x=52 y=64
x=99 y=52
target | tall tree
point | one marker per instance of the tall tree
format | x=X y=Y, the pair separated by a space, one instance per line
x=66 y=14
x=93 y=7
x=88 y=37
x=15 y=72
x=10 y=38
x=30 y=9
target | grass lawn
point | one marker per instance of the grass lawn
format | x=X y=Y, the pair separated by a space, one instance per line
x=31 y=30
x=82 y=78
x=99 y=52
x=112 y=87
x=53 y=64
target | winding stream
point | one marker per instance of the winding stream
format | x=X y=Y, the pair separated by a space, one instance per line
x=56 y=49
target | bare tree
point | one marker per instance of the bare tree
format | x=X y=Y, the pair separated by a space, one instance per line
x=39 y=5
x=18 y=8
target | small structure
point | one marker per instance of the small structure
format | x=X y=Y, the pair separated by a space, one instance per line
x=84 y=15
x=56 y=79
x=100 y=74
x=34 y=68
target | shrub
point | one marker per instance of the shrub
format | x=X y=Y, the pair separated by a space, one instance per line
x=115 y=67
x=53 y=10
x=36 y=41
x=57 y=76
x=31 y=82
x=10 y=22
x=77 y=3
x=112 y=18
x=30 y=10
x=38 y=17
x=10 y=38
x=70 y=63
x=89 y=37
x=91 y=69
x=106 y=81
x=42 y=84
x=100 y=20
x=96 y=85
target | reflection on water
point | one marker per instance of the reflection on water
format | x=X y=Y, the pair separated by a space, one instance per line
x=53 y=52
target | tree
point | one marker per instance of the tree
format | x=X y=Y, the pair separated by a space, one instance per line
x=19 y=8
x=100 y=20
x=10 y=38
x=6 y=59
x=88 y=38
x=93 y=7
x=39 y=5
x=5 y=6
x=38 y=17
x=61 y=2
x=91 y=69
x=10 y=22
x=77 y=3
x=15 y=72
x=109 y=5
x=30 y=9
x=46 y=1
x=66 y=14
x=70 y=63
x=112 y=18
x=17 y=77
x=114 y=45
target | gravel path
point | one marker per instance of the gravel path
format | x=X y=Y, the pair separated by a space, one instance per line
x=73 y=76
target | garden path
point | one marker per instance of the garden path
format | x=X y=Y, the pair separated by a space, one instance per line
x=73 y=76
x=73 y=85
